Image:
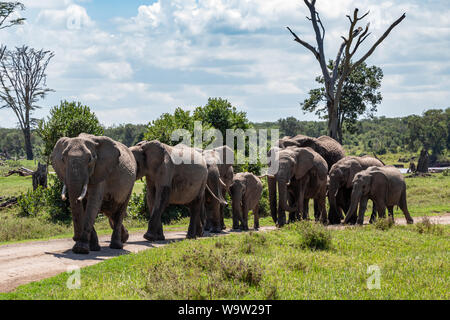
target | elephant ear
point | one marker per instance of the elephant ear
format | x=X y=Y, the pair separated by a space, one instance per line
x=107 y=154
x=350 y=172
x=304 y=162
x=57 y=157
x=380 y=176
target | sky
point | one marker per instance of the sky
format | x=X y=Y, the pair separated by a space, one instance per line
x=133 y=60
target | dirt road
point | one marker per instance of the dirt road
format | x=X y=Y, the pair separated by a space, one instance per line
x=32 y=261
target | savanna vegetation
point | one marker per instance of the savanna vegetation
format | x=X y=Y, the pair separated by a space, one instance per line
x=300 y=261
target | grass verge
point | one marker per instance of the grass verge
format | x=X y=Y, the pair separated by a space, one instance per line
x=269 y=265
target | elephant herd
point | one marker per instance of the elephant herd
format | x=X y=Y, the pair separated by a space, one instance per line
x=99 y=173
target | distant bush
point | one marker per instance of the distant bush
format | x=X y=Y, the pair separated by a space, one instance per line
x=46 y=203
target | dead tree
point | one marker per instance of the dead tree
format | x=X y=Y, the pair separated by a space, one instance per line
x=40 y=176
x=23 y=83
x=6 y=10
x=334 y=80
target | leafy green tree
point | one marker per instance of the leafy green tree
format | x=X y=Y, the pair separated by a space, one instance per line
x=430 y=131
x=6 y=11
x=289 y=126
x=69 y=119
x=161 y=129
x=360 y=96
x=221 y=115
x=128 y=134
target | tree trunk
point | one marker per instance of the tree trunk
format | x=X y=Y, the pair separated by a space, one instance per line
x=40 y=176
x=422 y=165
x=333 y=121
x=28 y=147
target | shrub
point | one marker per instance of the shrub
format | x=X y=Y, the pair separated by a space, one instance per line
x=428 y=227
x=384 y=223
x=313 y=235
x=45 y=202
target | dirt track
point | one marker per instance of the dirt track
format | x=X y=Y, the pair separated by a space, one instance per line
x=32 y=261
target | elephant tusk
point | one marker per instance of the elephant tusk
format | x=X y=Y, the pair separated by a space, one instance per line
x=83 y=193
x=63 y=193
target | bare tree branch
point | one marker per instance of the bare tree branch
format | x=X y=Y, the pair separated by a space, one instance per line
x=305 y=44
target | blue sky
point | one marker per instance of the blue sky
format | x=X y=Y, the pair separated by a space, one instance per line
x=132 y=60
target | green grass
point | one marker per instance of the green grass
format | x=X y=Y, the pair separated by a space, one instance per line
x=413 y=264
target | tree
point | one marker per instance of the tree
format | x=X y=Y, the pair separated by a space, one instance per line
x=430 y=131
x=221 y=115
x=289 y=126
x=23 y=83
x=359 y=96
x=6 y=10
x=334 y=80
x=69 y=119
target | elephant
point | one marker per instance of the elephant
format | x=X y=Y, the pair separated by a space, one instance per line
x=219 y=160
x=174 y=175
x=297 y=168
x=385 y=186
x=331 y=150
x=98 y=174
x=340 y=186
x=246 y=192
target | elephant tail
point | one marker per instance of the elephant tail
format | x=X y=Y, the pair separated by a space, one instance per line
x=221 y=201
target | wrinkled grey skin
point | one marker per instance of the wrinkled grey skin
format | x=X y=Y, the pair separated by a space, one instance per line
x=327 y=147
x=385 y=186
x=341 y=184
x=246 y=192
x=220 y=162
x=299 y=167
x=331 y=150
x=108 y=169
x=171 y=181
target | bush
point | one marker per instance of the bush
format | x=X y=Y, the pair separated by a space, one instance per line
x=384 y=224
x=313 y=235
x=46 y=203
x=428 y=227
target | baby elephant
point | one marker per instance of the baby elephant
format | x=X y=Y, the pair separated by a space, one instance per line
x=385 y=186
x=245 y=193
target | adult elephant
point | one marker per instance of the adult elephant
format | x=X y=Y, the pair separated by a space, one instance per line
x=331 y=150
x=341 y=184
x=295 y=165
x=98 y=174
x=174 y=175
x=220 y=168
x=385 y=186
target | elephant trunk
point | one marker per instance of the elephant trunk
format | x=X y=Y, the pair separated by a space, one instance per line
x=356 y=196
x=333 y=213
x=272 y=186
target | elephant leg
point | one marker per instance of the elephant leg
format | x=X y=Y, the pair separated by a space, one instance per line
x=317 y=211
x=222 y=220
x=404 y=207
x=373 y=217
x=381 y=208
x=95 y=197
x=256 y=217
x=116 y=237
x=236 y=218
x=391 y=212
x=244 y=218
x=161 y=201
x=321 y=206
x=93 y=242
x=215 y=225
x=362 y=210
x=195 y=229
x=305 y=214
